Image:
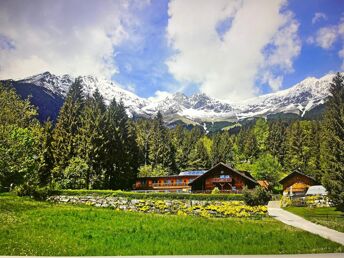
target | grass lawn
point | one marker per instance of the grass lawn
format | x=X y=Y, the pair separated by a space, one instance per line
x=29 y=227
x=328 y=217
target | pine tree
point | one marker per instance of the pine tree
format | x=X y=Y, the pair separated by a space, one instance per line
x=333 y=143
x=199 y=158
x=261 y=132
x=162 y=150
x=46 y=156
x=68 y=123
x=250 y=149
x=301 y=146
x=121 y=151
x=143 y=128
x=276 y=140
x=184 y=142
x=222 y=149
x=91 y=140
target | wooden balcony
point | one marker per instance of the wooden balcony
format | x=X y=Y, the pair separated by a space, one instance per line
x=220 y=180
x=169 y=184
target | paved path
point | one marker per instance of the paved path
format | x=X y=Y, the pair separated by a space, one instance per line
x=296 y=221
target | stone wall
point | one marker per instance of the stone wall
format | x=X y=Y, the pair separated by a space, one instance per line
x=179 y=207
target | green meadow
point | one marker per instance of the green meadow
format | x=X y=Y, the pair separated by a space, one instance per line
x=29 y=227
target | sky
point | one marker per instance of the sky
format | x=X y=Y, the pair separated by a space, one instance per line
x=228 y=49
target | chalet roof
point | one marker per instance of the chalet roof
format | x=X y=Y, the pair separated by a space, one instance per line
x=168 y=176
x=250 y=178
x=192 y=173
x=296 y=172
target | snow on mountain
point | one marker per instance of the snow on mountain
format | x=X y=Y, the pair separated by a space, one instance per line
x=60 y=84
x=197 y=106
x=298 y=99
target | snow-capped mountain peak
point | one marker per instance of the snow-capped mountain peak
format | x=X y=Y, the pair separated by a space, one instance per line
x=199 y=107
x=59 y=85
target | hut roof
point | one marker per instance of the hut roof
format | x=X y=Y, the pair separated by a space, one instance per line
x=250 y=178
x=294 y=174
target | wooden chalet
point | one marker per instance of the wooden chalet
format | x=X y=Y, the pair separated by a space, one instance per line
x=224 y=177
x=171 y=183
x=297 y=183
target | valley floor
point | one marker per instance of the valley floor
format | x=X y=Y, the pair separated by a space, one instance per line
x=29 y=227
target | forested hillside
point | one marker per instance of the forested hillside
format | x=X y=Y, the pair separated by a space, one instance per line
x=95 y=146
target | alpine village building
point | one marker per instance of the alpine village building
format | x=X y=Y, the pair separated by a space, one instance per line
x=222 y=176
x=297 y=183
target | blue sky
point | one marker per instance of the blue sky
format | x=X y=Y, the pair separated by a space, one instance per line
x=229 y=49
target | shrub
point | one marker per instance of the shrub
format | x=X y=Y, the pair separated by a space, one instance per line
x=42 y=193
x=215 y=190
x=23 y=190
x=257 y=196
x=286 y=201
x=75 y=175
x=38 y=193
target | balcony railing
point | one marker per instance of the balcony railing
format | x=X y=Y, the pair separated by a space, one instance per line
x=221 y=180
x=169 y=184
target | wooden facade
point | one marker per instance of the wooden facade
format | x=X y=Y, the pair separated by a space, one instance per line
x=297 y=183
x=223 y=177
x=172 y=183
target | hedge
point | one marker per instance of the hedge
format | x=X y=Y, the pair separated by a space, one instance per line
x=153 y=195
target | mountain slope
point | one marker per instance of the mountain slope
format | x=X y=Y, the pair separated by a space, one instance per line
x=48 y=92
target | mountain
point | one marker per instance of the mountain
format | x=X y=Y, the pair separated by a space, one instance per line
x=49 y=90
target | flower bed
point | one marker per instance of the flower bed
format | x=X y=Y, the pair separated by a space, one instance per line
x=209 y=209
x=152 y=195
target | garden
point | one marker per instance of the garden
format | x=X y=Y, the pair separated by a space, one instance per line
x=29 y=227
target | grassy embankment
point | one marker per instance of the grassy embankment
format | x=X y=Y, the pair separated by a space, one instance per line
x=326 y=216
x=29 y=227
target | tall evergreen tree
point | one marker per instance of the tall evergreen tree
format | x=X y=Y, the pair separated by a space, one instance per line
x=300 y=147
x=276 y=140
x=144 y=130
x=250 y=148
x=91 y=139
x=68 y=122
x=222 y=149
x=333 y=142
x=122 y=151
x=162 y=150
x=199 y=158
x=261 y=132
x=46 y=157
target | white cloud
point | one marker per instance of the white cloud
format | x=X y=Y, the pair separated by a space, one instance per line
x=67 y=36
x=227 y=66
x=159 y=96
x=341 y=55
x=318 y=16
x=130 y=87
x=326 y=36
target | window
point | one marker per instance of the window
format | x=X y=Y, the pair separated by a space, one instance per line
x=225 y=176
